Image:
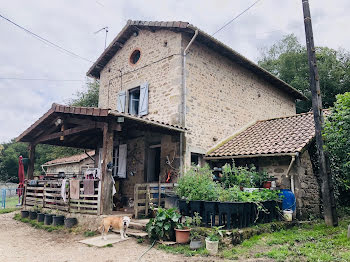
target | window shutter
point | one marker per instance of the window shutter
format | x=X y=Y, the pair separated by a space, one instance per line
x=122 y=161
x=121 y=98
x=143 y=105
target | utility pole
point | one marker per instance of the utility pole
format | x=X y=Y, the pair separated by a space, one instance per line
x=329 y=207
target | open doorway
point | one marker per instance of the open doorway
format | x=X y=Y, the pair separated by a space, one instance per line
x=153 y=165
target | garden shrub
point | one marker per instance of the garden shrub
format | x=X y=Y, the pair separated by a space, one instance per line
x=198 y=184
x=337 y=143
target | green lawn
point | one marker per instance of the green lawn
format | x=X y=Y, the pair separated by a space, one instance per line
x=307 y=242
x=11 y=201
x=313 y=242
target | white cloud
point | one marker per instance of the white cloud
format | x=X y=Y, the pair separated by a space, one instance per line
x=72 y=24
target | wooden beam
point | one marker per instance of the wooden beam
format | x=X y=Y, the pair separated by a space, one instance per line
x=106 y=176
x=79 y=121
x=68 y=132
x=30 y=170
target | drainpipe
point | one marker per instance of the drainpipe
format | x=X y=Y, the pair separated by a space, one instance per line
x=292 y=177
x=183 y=109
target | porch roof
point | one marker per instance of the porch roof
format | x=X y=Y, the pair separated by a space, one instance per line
x=82 y=127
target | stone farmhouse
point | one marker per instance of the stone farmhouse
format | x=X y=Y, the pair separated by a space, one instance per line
x=171 y=95
x=72 y=165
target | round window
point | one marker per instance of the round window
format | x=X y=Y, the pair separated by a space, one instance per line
x=135 y=56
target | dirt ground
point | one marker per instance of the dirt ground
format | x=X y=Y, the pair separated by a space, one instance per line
x=21 y=242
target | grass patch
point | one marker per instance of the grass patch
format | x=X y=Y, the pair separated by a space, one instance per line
x=36 y=224
x=90 y=233
x=184 y=250
x=108 y=245
x=309 y=242
x=8 y=210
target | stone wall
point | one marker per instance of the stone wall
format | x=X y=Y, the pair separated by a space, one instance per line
x=159 y=65
x=137 y=160
x=222 y=97
x=135 y=166
x=306 y=187
x=75 y=168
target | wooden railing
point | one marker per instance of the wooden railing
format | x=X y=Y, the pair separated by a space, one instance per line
x=149 y=194
x=47 y=194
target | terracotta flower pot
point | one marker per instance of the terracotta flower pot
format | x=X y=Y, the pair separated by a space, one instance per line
x=182 y=235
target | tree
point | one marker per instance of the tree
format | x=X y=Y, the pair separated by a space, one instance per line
x=88 y=97
x=337 y=138
x=287 y=59
x=9 y=152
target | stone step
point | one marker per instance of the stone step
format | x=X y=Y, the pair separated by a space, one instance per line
x=139 y=224
x=133 y=232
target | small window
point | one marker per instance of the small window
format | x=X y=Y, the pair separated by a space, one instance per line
x=196 y=159
x=134 y=101
x=135 y=56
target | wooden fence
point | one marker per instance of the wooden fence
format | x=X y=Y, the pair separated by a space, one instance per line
x=47 y=194
x=149 y=194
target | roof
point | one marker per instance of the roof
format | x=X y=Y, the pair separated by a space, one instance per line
x=70 y=159
x=178 y=26
x=284 y=135
x=96 y=118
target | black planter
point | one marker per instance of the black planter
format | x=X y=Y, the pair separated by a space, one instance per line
x=210 y=210
x=40 y=217
x=70 y=222
x=232 y=214
x=184 y=207
x=24 y=213
x=32 y=214
x=196 y=206
x=48 y=219
x=58 y=220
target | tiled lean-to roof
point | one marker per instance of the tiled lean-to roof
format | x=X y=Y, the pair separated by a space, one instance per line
x=70 y=159
x=284 y=135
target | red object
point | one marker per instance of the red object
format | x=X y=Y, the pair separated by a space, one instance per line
x=20 y=176
x=267 y=184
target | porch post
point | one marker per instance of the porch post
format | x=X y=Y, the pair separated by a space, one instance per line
x=30 y=169
x=106 y=178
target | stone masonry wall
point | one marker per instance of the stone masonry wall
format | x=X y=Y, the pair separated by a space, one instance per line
x=159 y=65
x=75 y=168
x=306 y=187
x=134 y=167
x=222 y=97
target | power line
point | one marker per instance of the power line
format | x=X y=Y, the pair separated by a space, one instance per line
x=49 y=43
x=41 y=79
x=236 y=17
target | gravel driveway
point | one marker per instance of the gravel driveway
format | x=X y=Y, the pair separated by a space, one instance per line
x=21 y=242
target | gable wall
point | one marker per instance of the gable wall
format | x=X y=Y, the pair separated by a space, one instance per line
x=159 y=65
x=222 y=97
x=75 y=168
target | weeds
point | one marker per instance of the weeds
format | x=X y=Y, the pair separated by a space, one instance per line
x=36 y=224
x=90 y=233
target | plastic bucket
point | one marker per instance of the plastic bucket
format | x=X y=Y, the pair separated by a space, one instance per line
x=288 y=215
x=212 y=246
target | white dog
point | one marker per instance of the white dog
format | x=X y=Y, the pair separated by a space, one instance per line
x=119 y=223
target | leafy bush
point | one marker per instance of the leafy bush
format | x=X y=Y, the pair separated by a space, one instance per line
x=162 y=226
x=198 y=184
x=242 y=176
x=234 y=194
x=337 y=134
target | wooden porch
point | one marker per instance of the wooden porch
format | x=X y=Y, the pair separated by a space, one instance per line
x=85 y=128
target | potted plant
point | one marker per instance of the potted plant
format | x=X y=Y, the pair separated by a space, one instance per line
x=212 y=240
x=196 y=241
x=163 y=225
x=182 y=231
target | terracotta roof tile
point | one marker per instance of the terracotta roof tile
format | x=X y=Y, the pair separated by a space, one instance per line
x=279 y=135
x=70 y=159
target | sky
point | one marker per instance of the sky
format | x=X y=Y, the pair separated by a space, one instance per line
x=71 y=25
